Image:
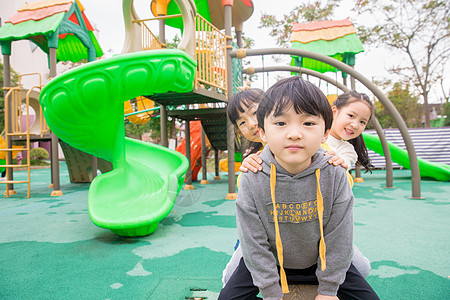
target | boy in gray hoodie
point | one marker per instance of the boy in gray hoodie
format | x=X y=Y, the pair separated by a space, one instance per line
x=297 y=212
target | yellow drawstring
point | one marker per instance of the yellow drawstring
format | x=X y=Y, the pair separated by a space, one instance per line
x=322 y=247
x=273 y=181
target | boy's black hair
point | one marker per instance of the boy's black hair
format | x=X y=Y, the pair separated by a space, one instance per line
x=237 y=105
x=294 y=91
x=358 y=142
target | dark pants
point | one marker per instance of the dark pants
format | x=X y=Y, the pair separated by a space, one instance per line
x=241 y=287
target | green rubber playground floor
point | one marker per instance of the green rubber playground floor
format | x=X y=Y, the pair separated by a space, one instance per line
x=49 y=248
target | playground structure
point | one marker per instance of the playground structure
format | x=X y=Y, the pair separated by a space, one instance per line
x=213 y=77
x=60 y=29
x=198 y=142
x=16 y=129
x=145 y=108
x=84 y=106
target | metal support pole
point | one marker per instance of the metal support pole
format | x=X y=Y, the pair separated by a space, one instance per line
x=216 y=164
x=187 y=136
x=7 y=83
x=94 y=167
x=162 y=30
x=204 y=171
x=387 y=152
x=230 y=127
x=238 y=30
x=163 y=122
x=358 y=177
x=54 y=139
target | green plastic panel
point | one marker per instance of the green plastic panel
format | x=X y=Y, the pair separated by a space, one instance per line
x=72 y=49
x=342 y=49
x=315 y=65
x=84 y=108
x=172 y=9
x=2 y=162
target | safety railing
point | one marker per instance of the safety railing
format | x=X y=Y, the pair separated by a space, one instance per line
x=210 y=52
x=211 y=55
x=149 y=40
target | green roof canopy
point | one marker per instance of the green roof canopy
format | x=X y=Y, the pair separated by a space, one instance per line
x=336 y=39
x=56 y=24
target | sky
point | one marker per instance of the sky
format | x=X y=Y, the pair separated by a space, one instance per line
x=108 y=19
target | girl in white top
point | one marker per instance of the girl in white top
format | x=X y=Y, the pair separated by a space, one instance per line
x=351 y=113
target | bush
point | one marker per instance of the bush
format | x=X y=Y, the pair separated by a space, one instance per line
x=37 y=155
x=446 y=113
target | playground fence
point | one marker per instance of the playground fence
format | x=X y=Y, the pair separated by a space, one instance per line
x=432 y=144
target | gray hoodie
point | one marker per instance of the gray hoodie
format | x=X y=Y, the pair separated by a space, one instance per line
x=297 y=202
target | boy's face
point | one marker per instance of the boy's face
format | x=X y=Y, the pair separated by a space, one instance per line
x=294 y=138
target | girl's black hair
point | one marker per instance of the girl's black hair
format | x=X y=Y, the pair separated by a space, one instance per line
x=241 y=101
x=358 y=142
x=297 y=92
x=238 y=104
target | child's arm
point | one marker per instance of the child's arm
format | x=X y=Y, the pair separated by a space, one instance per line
x=253 y=162
x=336 y=159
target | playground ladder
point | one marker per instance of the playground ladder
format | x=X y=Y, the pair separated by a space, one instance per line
x=13 y=113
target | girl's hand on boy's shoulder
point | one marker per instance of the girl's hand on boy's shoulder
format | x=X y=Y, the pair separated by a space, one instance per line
x=336 y=160
x=323 y=297
x=252 y=163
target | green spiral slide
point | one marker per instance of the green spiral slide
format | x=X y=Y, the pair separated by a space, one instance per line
x=427 y=168
x=84 y=108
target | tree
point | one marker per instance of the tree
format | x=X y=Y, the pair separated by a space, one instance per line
x=446 y=113
x=406 y=103
x=136 y=131
x=417 y=29
x=306 y=12
x=174 y=43
x=247 y=43
x=14 y=83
